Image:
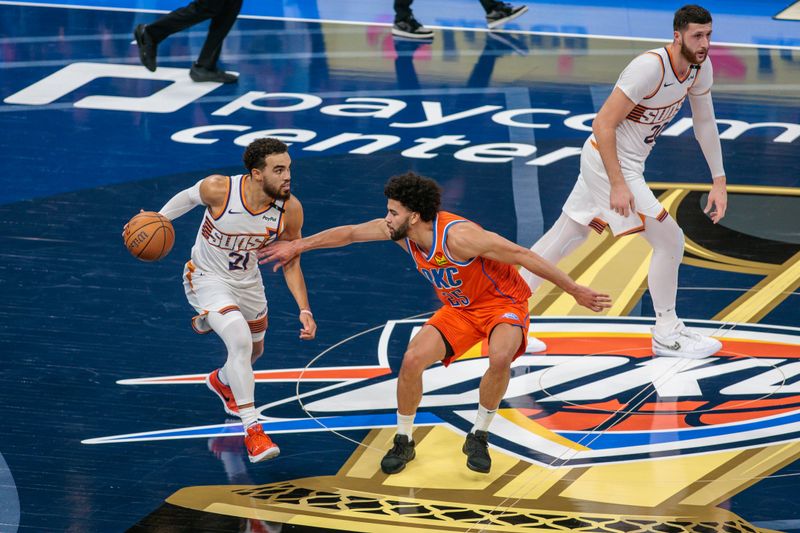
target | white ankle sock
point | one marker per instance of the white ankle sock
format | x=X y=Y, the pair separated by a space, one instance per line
x=483 y=419
x=405 y=424
x=249 y=416
x=665 y=321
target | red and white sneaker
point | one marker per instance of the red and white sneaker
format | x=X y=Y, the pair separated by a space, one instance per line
x=223 y=391
x=259 y=446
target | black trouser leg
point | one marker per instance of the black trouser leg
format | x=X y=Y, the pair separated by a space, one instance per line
x=402 y=9
x=489 y=5
x=220 y=25
x=182 y=18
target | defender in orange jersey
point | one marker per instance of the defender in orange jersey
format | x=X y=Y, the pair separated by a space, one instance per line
x=473 y=273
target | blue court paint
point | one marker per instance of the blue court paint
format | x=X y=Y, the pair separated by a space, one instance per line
x=9 y=500
x=79 y=313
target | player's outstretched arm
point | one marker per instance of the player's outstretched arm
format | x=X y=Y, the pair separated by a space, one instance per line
x=281 y=252
x=467 y=240
x=293 y=274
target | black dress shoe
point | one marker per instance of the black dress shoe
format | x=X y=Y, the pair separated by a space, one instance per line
x=198 y=73
x=147 y=47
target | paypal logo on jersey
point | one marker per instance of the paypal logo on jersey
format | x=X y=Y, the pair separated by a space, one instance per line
x=442 y=278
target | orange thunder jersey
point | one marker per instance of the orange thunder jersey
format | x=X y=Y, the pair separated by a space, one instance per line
x=476 y=282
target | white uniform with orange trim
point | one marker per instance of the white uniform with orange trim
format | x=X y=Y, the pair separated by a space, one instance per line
x=223 y=274
x=652 y=83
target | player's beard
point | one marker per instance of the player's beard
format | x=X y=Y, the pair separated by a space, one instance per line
x=276 y=192
x=691 y=56
x=401 y=232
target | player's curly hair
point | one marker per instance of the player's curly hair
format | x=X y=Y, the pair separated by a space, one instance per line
x=255 y=155
x=416 y=193
x=688 y=14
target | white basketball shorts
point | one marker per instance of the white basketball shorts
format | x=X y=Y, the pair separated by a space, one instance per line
x=208 y=292
x=589 y=203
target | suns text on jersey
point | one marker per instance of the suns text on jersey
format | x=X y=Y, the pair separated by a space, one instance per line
x=235 y=242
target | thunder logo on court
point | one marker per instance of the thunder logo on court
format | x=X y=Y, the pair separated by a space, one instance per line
x=597 y=395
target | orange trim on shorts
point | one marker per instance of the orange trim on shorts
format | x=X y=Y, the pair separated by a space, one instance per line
x=258 y=325
x=199 y=331
x=634 y=230
x=598 y=225
x=228 y=309
x=191 y=268
x=594 y=145
x=662 y=215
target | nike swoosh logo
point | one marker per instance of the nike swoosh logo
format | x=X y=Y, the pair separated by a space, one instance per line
x=232 y=212
x=675 y=347
x=668 y=84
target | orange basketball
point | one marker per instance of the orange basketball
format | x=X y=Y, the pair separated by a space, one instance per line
x=149 y=236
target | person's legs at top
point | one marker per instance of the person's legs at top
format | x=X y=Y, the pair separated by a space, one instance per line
x=148 y=36
x=427 y=347
x=205 y=68
x=498 y=13
x=405 y=25
x=670 y=336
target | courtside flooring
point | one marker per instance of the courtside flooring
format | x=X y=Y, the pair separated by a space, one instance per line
x=106 y=422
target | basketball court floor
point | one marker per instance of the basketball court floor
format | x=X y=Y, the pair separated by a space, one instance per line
x=106 y=422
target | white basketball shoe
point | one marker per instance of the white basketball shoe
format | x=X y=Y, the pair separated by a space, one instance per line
x=683 y=342
x=535 y=345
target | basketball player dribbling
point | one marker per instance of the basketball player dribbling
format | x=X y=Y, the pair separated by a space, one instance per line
x=483 y=296
x=223 y=282
x=611 y=190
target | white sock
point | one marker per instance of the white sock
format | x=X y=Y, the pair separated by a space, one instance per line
x=222 y=377
x=249 y=416
x=405 y=424
x=666 y=238
x=665 y=321
x=483 y=419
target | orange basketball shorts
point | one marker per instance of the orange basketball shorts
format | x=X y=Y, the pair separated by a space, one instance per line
x=466 y=326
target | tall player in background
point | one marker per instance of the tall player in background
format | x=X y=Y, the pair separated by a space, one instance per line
x=611 y=190
x=222 y=279
x=482 y=293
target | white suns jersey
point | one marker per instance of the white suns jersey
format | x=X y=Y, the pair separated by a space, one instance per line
x=659 y=91
x=226 y=243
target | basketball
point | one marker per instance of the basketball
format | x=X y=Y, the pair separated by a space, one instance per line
x=149 y=236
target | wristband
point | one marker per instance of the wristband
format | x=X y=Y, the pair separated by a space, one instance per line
x=307 y=311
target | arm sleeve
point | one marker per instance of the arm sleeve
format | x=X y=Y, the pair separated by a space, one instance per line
x=706 y=132
x=642 y=77
x=183 y=202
